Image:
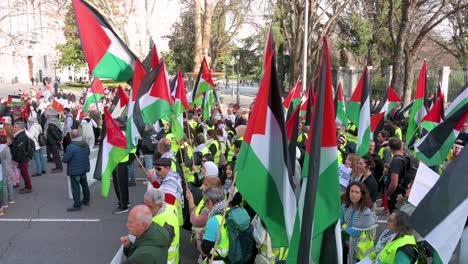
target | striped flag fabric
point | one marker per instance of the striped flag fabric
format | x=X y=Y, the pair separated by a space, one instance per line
x=94 y=94
x=389 y=102
x=203 y=84
x=449 y=195
x=155 y=57
x=294 y=97
x=359 y=113
x=132 y=131
x=340 y=108
x=435 y=115
x=179 y=107
x=154 y=100
x=376 y=122
x=106 y=54
x=317 y=237
x=207 y=103
x=119 y=102
x=264 y=153
x=269 y=48
x=112 y=150
x=434 y=147
x=303 y=106
x=418 y=110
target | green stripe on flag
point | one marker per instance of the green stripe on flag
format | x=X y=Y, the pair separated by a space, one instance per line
x=155 y=111
x=114 y=68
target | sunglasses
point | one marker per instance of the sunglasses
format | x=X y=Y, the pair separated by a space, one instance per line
x=159 y=168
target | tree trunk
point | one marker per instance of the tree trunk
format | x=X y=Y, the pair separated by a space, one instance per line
x=408 y=78
x=197 y=56
x=209 y=8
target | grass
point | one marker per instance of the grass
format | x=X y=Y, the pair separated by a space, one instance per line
x=79 y=86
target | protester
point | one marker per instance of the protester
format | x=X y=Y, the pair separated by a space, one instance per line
x=19 y=150
x=397 y=172
x=34 y=132
x=67 y=127
x=366 y=166
x=166 y=216
x=462 y=138
x=168 y=180
x=5 y=159
x=77 y=158
x=54 y=137
x=352 y=161
x=120 y=177
x=87 y=130
x=358 y=223
x=152 y=240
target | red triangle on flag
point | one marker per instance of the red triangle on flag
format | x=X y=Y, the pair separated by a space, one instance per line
x=293 y=94
x=155 y=58
x=161 y=87
x=421 y=87
x=375 y=121
x=96 y=87
x=357 y=94
x=435 y=114
x=180 y=90
x=138 y=75
x=340 y=92
x=113 y=133
x=269 y=49
x=392 y=95
x=123 y=97
x=206 y=73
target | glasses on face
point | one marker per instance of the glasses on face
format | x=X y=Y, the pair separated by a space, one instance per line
x=159 y=168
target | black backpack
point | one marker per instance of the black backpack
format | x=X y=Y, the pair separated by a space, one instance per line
x=30 y=149
x=411 y=167
x=75 y=123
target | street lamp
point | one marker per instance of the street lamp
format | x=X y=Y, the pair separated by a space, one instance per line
x=238 y=79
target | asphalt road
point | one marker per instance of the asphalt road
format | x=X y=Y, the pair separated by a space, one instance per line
x=37 y=228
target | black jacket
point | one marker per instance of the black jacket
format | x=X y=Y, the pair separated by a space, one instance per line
x=19 y=147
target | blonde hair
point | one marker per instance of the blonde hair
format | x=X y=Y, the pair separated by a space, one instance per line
x=354 y=158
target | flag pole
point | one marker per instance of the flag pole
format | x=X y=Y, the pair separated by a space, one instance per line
x=304 y=53
x=231 y=191
x=141 y=164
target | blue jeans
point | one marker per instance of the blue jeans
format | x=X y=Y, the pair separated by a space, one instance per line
x=148 y=158
x=131 y=171
x=40 y=162
x=76 y=182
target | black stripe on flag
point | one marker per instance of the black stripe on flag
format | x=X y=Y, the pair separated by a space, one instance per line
x=98 y=170
x=329 y=245
x=145 y=86
x=365 y=88
x=195 y=88
x=449 y=192
x=275 y=103
x=436 y=138
x=378 y=108
x=314 y=165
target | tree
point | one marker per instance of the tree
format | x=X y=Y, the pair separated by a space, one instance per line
x=71 y=52
x=181 y=40
x=290 y=16
x=409 y=23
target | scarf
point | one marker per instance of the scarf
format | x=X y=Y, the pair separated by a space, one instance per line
x=227 y=185
x=364 y=221
x=52 y=120
x=217 y=208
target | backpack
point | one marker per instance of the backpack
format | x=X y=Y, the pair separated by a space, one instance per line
x=42 y=139
x=411 y=167
x=75 y=123
x=240 y=233
x=418 y=253
x=30 y=149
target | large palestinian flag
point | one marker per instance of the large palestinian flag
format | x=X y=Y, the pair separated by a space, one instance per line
x=106 y=54
x=179 y=107
x=359 y=113
x=203 y=84
x=434 y=147
x=119 y=103
x=94 y=94
x=264 y=153
x=317 y=237
x=340 y=108
x=154 y=99
x=449 y=196
x=418 y=110
x=112 y=150
x=435 y=115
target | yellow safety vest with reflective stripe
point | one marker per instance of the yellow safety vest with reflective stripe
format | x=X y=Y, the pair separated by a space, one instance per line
x=398 y=133
x=198 y=210
x=125 y=159
x=365 y=246
x=277 y=254
x=222 y=249
x=301 y=137
x=230 y=154
x=188 y=173
x=387 y=255
x=217 y=153
x=193 y=124
x=174 y=145
x=169 y=216
x=350 y=136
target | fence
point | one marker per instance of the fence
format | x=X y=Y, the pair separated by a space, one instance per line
x=451 y=82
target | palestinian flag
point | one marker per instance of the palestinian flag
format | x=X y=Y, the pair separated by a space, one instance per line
x=208 y=102
x=340 y=108
x=359 y=113
x=303 y=106
x=376 y=122
x=203 y=84
x=434 y=147
x=310 y=104
x=418 y=110
x=449 y=195
x=294 y=97
x=155 y=57
x=179 y=107
x=292 y=128
x=15 y=100
x=106 y=54
x=435 y=115
x=119 y=102
x=389 y=102
x=317 y=237
x=57 y=106
x=112 y=150
x=154 y=99
x=264 y=153
x=94 y=94
x=133 y=126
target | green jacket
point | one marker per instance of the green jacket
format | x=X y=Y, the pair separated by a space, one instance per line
x=151 y=247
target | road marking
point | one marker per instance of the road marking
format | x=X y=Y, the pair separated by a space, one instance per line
x=47 y=220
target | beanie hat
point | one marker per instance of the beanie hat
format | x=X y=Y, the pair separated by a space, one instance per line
x=211 y=169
